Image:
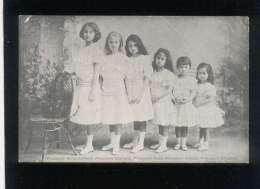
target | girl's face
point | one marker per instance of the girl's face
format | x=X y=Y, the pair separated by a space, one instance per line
x=113 y=44
x=203 y=74
x=160 y=60
x=184 y=69
x=132 y=47
x=88 y=34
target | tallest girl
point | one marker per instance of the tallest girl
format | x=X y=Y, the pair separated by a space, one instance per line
x=86 y=106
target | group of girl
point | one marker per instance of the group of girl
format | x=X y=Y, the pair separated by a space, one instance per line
x=115 y=89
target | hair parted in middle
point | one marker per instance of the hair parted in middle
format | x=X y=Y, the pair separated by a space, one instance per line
x=168 y=64
x=135 y=38
x=116 y=35
x=95 y=28
x=209 y=71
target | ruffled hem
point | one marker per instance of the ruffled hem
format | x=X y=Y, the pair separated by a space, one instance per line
x=210 y=117
x=187 y=115
x=164 y=113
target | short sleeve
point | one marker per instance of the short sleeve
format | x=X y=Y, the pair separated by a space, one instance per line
x=147 y=66
x=119 y=64
x=126 y=68
x=171 y=79
x=193 y=83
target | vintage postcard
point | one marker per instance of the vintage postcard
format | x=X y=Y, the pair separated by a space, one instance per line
x=134 y=89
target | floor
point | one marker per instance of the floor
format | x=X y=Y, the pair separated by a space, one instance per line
x=228 y=144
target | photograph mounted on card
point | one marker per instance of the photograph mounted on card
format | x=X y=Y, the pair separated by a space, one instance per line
x=134 y=89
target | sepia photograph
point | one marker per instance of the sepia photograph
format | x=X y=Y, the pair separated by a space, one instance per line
x=133 y=89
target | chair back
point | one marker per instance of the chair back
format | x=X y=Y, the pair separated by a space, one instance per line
x=61 y=95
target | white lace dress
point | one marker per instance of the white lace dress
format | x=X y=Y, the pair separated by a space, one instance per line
x=115 y=105
x=84 y=111
x=186 y=113
x=209 y=115
x=141 y=67
x=164 y=109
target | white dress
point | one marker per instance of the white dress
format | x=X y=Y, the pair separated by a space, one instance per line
x=84 y=111
x=186 y=113
x=209 y=115
x=164 y=109
x=141 y=67
x=115 y=105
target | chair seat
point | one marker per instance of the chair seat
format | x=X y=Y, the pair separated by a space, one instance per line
x=49 y=125
x=41 y=119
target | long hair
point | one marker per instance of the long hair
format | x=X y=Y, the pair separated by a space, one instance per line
x=95 y=28
x=209 y=71
x=168 y=64
x=135 y=38
x=113 y=34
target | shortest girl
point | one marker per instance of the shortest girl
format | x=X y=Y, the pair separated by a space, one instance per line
x=162 y=82
x=184 y=92
x=209 y=115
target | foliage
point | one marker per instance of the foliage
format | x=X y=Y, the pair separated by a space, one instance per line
x=38 y=73
x=234 y=90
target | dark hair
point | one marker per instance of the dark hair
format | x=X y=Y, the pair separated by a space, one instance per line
x=168 y=64
x=135 y=38
x=183 y=60
x=209 y=71
x=94 y=26
x=114 y=34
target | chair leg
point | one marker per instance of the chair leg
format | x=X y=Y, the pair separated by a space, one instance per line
x=44 y=145
x=67 y=133
x=57 y=138
x=29 y=139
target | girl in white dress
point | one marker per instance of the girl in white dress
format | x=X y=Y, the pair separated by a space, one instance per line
x=140 y=99
x=162 y=82
x=183 y=95
x=116 y=109
x=209 y=115
x=86 y=104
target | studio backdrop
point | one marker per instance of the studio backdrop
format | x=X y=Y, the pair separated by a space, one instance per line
x=48 y=45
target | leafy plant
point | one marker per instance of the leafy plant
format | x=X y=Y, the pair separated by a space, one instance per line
x=38 y=74
x=234 y=91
